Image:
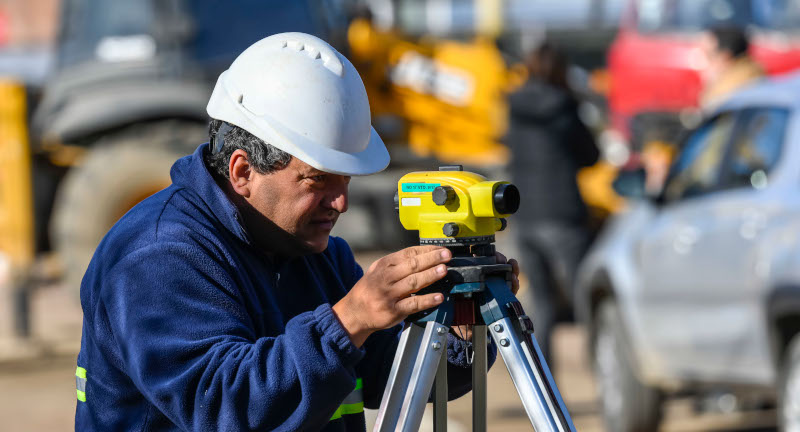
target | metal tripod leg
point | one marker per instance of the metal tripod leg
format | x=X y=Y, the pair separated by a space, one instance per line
x=411 y=377
x=512 y=330
x=440 y=395
x=532 y=378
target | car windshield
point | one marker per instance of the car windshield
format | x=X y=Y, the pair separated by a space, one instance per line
x=695 y=15
x=85 y=23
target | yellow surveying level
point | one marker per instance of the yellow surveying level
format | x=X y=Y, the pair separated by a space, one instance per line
x=454 y=208
x=462 y=211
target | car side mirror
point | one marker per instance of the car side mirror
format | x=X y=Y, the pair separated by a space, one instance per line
x=630 y=184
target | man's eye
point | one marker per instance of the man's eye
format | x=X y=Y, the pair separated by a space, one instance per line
x=318 y=178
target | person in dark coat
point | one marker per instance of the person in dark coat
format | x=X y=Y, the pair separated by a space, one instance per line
x=549 y=144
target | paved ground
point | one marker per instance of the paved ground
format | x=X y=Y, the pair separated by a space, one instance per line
x=37 y=384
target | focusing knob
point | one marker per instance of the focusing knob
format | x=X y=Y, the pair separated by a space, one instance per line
x=397 y=202
x=443 y=195
x=503 y=224
x=450 y=229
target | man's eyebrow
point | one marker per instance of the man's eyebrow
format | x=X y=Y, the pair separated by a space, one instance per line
x=310 y=172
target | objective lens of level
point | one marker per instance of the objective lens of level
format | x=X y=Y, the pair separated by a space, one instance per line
x=506 y=199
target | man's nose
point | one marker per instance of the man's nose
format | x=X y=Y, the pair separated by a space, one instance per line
x=337 y=199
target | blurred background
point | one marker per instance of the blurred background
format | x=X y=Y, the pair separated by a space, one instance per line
x=655 y=144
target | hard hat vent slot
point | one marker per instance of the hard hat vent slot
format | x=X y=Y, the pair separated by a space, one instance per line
x=295 y=45
x=330 y=61
x=312 y=52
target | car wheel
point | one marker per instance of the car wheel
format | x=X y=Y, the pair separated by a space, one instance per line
x=627 y=404
x=789 y=388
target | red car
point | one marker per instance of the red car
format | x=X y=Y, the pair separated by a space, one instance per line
x=4 y=28
x=655 y=63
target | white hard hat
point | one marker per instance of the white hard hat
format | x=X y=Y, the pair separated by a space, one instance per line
x=299 y=94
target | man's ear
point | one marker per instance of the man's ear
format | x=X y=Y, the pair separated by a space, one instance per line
x=240 y=172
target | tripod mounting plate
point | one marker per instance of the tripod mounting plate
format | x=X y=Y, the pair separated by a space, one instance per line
x=469 y=279
x=461 y=280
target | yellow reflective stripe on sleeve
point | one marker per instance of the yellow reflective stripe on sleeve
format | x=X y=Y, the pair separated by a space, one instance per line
x=80 y=383
x=353 y=403
x=352 y=408
x=346 y=409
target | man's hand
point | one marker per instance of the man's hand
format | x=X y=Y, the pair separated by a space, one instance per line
x=465 y=331
x=382 y=298
x=501 y=259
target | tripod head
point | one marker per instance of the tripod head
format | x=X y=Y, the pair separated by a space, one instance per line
x=454 y=208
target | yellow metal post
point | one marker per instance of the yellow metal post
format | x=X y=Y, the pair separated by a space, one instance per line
x=16 y=202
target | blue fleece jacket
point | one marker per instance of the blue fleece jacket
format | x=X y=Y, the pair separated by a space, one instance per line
x=189 y=326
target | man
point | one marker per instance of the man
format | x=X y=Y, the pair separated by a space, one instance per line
x=221 y=302
x=729 y=65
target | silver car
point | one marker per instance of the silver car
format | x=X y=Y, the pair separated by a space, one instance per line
x=691 y=290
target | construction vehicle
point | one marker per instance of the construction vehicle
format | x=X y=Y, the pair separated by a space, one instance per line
x=450 y=94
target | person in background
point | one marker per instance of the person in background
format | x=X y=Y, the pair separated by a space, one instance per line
x=730 y=67
x=549 y=144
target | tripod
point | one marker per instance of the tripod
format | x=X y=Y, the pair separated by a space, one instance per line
x=477 y=292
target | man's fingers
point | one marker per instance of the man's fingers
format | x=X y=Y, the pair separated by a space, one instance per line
x=501 y=259
x=413 y=251
x=514 y=266
x=419 y=263
x=514 y=284
x=514 y=275
x=419 y=303
x=416 y=281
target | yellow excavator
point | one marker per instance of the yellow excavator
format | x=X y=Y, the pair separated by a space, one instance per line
x=449 y=94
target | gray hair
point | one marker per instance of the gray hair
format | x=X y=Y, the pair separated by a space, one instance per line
x=263 y=157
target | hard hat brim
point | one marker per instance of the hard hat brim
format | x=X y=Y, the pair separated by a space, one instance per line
x=373 y=159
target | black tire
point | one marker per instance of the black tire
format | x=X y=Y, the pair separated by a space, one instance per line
x=789 y=388
x=117 y=172
x=627 y=404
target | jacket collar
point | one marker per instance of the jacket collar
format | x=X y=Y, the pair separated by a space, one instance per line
x=190 y=172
